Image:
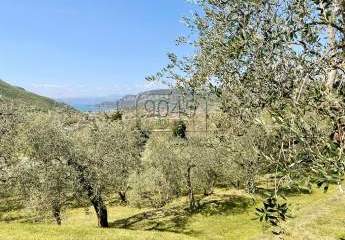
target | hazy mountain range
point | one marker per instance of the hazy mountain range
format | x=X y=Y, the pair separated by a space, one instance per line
x=114 y=102
x=111 y=102
x=16 y=94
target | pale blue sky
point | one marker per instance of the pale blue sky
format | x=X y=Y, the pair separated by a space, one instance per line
x=76 y=48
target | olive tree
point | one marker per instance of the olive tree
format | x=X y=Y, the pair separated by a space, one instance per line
x=276 y=66
x=50 y=163
x=111 y=150
x=175 y=167
x=41 y=171
x=11 y=115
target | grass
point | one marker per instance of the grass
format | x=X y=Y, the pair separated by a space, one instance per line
x=228 y=214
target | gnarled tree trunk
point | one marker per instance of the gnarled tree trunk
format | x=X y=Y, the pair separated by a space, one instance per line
x=56 y=211
x=94 y=196
x=191 y=198
x=101 y=211
x=123 y=197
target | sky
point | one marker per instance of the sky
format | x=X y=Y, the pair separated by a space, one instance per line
x=87 y=48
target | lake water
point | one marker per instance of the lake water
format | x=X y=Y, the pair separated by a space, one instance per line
x=84 y=107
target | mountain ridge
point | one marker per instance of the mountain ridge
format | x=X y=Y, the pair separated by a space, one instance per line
x=20 y=95
x=129 y=100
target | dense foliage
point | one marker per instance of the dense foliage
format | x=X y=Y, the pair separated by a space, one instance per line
x=277 y=69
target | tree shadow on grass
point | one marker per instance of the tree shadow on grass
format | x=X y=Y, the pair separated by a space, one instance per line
x=284 y=191
x=21 y=218
x=10 y=204
x=225 y=205
x=11 y=209
x=175 y=219
x=163 y=219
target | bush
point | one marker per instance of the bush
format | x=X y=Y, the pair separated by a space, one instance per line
x=149 y=189
x=179 y=129
x=115 y=116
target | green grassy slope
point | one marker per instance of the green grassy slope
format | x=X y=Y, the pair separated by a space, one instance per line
x=20 y=95
x=226 y=215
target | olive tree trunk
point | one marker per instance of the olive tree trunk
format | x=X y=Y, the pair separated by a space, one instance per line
x=93 y=195
x=101 y=211
x=123 y=197
x=191 y=198
x=56 y=212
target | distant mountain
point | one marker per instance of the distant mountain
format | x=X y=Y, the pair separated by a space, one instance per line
x=19 y=95
x=160 y=97
x=130 y=101
x=117 y=102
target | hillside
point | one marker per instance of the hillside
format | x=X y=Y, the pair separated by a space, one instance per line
x=228 y=215
x=21 y=96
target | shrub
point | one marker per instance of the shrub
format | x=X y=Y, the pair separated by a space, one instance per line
x=179 y=129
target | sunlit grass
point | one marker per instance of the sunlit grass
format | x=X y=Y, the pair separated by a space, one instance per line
x=228 y=214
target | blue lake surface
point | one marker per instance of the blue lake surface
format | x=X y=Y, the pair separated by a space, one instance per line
x=84 y=107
